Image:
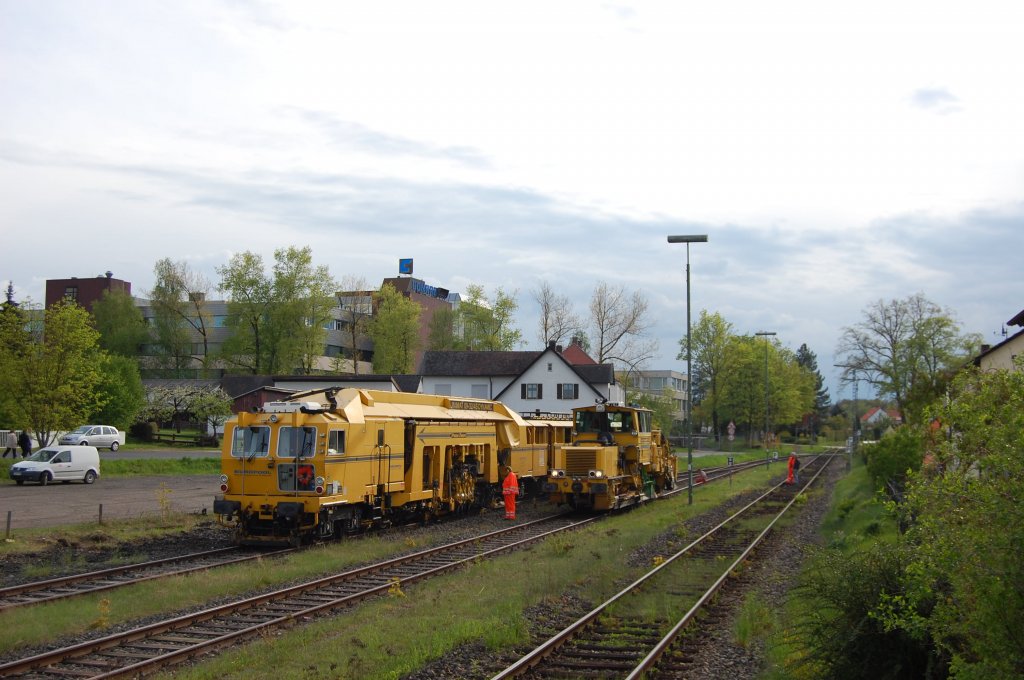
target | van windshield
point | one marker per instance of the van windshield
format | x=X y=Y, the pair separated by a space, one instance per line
x=42 y=455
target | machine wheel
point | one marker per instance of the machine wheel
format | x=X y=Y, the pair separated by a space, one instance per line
x=113 y=446
x=45 y=479
x=90 y=477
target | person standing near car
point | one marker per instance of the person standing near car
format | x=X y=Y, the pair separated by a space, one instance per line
x=25 y=442
x=12 y=445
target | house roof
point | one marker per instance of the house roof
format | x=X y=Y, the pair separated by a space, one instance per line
x=575 y=355
x=509 y=364
x=465 y=363
x=1017 y=320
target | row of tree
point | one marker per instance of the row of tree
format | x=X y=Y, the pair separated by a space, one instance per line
x=57 y=376
x=736 y=377
x=276 y=320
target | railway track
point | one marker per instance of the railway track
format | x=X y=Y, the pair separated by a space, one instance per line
x=639 y=631
x=115 y=577
x=147 y=648
x=73 y=585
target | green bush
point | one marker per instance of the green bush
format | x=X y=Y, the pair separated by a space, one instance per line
x=890 y=459
x=145 y=431
x=842 y=634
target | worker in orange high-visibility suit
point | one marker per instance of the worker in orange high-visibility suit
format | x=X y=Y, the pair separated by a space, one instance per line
x=792 y=464
x=510 y=489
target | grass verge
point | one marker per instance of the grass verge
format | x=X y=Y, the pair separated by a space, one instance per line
x=389 y=636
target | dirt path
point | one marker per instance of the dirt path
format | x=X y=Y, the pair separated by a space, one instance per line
x=34 y=506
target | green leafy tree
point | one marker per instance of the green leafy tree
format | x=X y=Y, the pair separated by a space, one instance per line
x=442 y=330
x=276 y=321
x=965 y=529
x=55 y=381
x=251 y=296
x=15 y=343
x=123 y=330
x=121 y=392
x=395 y=332
x=808 y=360
x=487 y=324
x=304 y=300
x=709 y=342
x=905 y=349
x=180 y=315
x=742 y=384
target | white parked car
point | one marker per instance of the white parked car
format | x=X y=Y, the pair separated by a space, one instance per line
x=100 y=436
x=58 y=464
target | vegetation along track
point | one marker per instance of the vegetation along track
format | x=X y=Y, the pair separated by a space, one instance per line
x=72 y=585
x=638 y=631
x=165 y=643
x=124 y=575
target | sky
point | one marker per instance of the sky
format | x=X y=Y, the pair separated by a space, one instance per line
x=835 y=154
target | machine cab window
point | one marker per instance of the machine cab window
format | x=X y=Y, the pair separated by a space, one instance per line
x=336 y=443
x=296 y=442
x=251 y=442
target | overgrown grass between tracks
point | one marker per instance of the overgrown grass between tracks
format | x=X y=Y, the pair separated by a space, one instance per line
x=486 y=603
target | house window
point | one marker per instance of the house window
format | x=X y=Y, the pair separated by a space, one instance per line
x=531 y=391
x=568 y=391
x=71 y=292
x=479 y=392
x=443 y=388
x=549 y=366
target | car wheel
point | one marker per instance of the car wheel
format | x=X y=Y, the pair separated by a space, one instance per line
x=113 y=446
x=45 y=479
x=83 y=443
x=90 y=477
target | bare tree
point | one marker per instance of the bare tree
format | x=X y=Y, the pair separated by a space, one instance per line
x=619 y=322
x=906 y=349
x=356 y=313
x=179 y=305
x=558 y=320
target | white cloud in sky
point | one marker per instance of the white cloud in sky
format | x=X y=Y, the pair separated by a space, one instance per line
x=505 y=143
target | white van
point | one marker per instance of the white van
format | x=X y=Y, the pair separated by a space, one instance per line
x=59 y=464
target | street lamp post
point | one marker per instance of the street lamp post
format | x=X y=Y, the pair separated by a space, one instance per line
x=767 y=458
x=688 y=239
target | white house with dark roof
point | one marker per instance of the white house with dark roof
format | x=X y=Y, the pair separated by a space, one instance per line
x=527 y=382
x=1003 y=355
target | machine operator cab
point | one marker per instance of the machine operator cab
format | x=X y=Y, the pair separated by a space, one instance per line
x=616 y=458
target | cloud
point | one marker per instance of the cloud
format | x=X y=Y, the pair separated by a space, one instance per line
x=348 y=134
x=937 y=100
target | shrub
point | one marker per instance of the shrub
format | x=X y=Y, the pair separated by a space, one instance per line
x=144 y=431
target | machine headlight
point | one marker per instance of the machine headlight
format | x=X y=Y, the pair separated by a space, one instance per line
x=557 y=473
x=320 y=485
x=223 y=483
x=596 y=473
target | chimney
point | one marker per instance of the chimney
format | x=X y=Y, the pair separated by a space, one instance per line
x=551 y=345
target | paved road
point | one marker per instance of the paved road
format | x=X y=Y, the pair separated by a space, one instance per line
x=34 y=506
